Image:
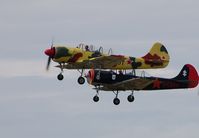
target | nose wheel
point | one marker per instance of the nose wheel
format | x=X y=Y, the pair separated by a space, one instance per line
x=116 y=100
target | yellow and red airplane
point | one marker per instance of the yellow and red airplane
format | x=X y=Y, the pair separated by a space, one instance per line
x=84 y=57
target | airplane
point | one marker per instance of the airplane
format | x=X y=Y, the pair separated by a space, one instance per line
x=115 y=82
x=85 y=57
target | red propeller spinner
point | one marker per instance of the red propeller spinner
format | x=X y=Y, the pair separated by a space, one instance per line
x=50 y=52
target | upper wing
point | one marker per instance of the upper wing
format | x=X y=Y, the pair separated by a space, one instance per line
x=104 y=62
x=132 y=84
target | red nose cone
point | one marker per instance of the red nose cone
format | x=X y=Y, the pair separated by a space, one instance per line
x=90 y=76
x=50 y=52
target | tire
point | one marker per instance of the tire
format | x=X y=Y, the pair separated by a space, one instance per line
x=116 y=101
x=95 y=98
x=130 y=98
x=81 y=80
x=60 y=77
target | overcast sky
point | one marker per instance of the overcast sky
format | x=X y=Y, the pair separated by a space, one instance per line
x=33 y=103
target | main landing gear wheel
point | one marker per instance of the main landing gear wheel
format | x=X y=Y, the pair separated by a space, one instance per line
x=95 y=98
x=130 y=98
x=81 y=80
x=116 y=101
x=60 y=77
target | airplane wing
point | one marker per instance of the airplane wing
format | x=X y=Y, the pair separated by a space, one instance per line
x=132 y=84
x=104 y=62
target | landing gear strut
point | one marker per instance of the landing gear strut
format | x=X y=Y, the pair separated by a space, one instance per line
x=131 y=98
x=60 y=76
x=96 y=97
x=81 y=80
x=116 y=100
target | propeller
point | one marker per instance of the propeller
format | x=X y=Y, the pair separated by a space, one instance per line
x=50 y=53
x=48 y=63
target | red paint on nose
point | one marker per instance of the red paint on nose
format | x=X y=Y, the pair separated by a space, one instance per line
x=50 y=52
x=90 y=76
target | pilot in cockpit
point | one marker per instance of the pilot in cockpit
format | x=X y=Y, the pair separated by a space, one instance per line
x=87 y=48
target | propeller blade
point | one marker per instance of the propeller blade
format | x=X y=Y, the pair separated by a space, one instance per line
x=52 y=43
x=48 y=63
x=50 y=52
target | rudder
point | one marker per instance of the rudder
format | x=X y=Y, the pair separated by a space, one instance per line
x=188 y=73
x=160 y=50
x=157 y=56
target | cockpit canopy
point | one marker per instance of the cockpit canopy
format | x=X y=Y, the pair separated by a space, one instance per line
x=92 y=48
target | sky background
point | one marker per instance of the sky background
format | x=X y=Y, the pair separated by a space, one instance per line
x=33 y=103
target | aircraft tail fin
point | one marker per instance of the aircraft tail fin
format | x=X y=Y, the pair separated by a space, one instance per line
x=158 y=56
x=188 y=73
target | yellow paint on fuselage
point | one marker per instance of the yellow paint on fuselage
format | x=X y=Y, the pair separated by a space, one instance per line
x=127 y=64
x=74 y=51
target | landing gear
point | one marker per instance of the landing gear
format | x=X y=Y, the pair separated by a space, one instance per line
x=133 y=72
x=116 y=100
x=60 y=77
x=81 y=80
x=131 y=98
x=96 y=98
